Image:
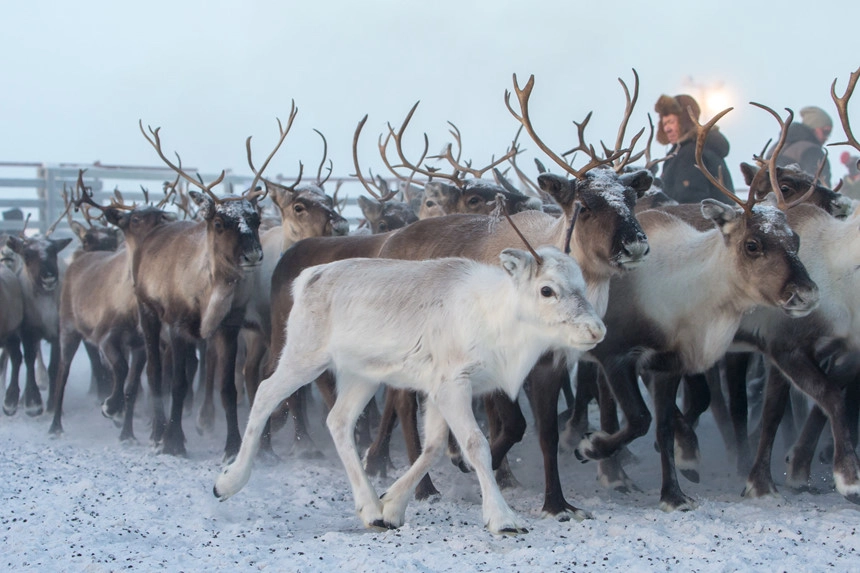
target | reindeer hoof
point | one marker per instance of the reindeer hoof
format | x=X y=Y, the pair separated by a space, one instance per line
x=34 y=411
x=10 y=411
x=381 y=525
x=691 y=475
x=512 y=531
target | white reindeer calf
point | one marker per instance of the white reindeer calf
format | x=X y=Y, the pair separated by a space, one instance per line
x=450 y=328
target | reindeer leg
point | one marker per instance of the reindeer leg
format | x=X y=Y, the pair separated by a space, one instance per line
x=32 y=397
x=576 y=426
x=354 y=396
x=114 y=352
x=69 y=341
x=131 y=388
x=151 y=327
x=100 y=381
x=827 y=394
x=604 y=445
x=226 y=341
x=507 y=427
x=206 y=414
x=800 y=456
x=737 y=366
x=173 y=442
x=760 y=481
x=13 y=349
x=544 y=399
x=664 y=389
x=454 y=400
x=395 y=499
x=377 y=457
x=283 y=382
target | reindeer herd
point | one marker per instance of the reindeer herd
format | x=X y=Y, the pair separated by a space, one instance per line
x=461 y=287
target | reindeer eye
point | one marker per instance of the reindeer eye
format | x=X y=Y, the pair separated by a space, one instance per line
x=383 y=227
x=299 y=208
x=547 y=292
x=785 y=189
x=430 y=203
x=218 y=224
x=752 y=247
x=474 y=200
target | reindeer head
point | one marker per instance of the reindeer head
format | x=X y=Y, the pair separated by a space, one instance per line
x=98 y=238
x=39 y=256
x=306 y=211
x=598 y=198
x=553 y=294
x=232 y=228
x=794 y=183
x=602 y=200
x=384 y=216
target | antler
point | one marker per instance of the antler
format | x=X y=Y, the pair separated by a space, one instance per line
x=65 y=212
x=321 y=181
x=702 y=134
x=85 y=199
x=398 y=141
x=384 y=195
x=770 y=164
x=523 y=96
x=155 y=141
x=258 y=175
x=458 y=167
x=622 y=129
x=842 y=107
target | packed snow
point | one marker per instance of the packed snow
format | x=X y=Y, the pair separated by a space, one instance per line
x=86 y=502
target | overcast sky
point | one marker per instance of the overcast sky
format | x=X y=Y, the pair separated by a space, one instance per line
x=77 y=76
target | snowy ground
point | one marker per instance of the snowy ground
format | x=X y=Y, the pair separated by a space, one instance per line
x=84 y=502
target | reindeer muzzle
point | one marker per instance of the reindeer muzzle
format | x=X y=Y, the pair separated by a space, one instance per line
x=253 y=258
x=633 y=253
x=800 y=302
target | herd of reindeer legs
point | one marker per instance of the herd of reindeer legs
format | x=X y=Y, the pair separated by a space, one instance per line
x=459 y=286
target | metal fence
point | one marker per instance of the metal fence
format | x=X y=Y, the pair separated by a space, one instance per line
x=36 y=190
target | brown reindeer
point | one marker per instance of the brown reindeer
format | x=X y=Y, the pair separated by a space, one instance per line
x=98 y=306
x=190 y=277
x=40 y=279
x=12 y=303
x=678 y=315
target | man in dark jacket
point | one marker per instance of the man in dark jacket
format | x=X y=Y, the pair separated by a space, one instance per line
x=804 y=143
x=682 y=181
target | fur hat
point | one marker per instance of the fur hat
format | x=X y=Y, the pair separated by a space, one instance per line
x=676 y=105
x=815 y=117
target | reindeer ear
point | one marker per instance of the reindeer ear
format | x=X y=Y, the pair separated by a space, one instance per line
x=78 y=229
x=370 y=208
x=205 y=202
x=282 y=196
x=749 y=172
x=562 y=190
x=719 y=213
x=518 y=263
x=115 y=216
x=640 y=181
x=15 y=244
x=60 y=244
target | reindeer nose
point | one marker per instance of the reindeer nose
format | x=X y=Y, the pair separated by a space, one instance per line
x=597 y=330
x=253 y=257
x=340 y=227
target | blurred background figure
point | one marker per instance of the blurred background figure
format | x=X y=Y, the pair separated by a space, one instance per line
x=682 y=181
x=851 y=182
x=804 y=144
